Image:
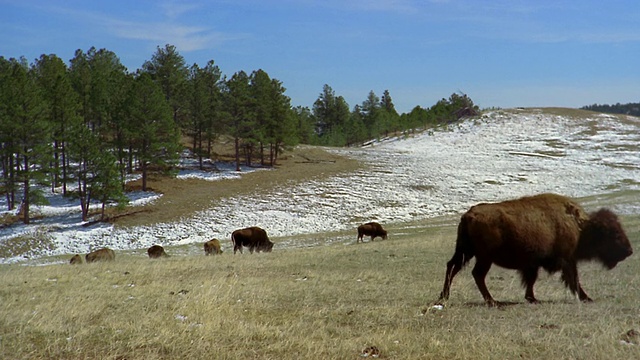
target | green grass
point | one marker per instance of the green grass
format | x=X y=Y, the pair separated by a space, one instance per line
x=325 y=302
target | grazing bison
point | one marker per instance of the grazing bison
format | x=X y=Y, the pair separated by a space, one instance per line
x=546 y=231
x=75 y=259
x=156 y=251
x=372 y=229
x=104 y=254
x=254 y=238
x=212 y=247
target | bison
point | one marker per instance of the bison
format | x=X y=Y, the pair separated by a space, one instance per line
x=253 y=237
x=104 y=254
x=212 y=247
x=546 y=231
x=75 y=259
x=372 y=229
x=156 y=252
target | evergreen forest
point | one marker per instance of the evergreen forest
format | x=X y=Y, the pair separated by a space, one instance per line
x=628 y=109
x=83 y=127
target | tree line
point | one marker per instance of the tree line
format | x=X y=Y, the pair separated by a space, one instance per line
x=84 y=127
x=628 y=109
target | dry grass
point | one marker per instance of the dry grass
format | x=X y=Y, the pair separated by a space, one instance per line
x=321 y=302
x=326 y=302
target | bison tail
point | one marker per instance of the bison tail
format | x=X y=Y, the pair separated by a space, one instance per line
x=464 y=245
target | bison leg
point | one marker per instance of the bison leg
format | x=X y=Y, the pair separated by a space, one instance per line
x=479 y=272
x=453 y=267
x=237 y=247
x=529 y=277
x=570 y=278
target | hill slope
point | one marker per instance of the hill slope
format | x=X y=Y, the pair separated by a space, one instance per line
x=500 y=155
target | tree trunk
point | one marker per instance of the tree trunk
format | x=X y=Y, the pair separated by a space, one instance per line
x=56 y=166
x=24 y=208
x=64 y=168
x=200 y=152
x=143 y=165
x=130 y=166
x=237 y=154
x=271 y=154
x=248 y=153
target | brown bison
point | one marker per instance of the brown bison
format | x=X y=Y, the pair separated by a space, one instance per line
x=254 y=238
x=75 y=259
x=104 y=254
x=212 y=247
x=372 y=229
x=156 y=252
x=546 y=231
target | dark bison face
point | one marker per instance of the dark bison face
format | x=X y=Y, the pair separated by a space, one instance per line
x=156 y=251
x=267 y=247
x=76 y=259
x=604 y=239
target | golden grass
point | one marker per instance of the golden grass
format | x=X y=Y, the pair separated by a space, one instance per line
x=321 y=302
x=324 y=302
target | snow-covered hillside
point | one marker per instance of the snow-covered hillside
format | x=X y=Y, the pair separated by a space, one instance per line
x=504 y=154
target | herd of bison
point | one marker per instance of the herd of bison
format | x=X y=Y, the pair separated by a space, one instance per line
x=546 y=231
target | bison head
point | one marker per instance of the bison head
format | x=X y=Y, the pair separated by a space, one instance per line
x=602 y=238
x=267 y=247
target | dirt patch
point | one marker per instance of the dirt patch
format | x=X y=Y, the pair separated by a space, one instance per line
x=183 y=197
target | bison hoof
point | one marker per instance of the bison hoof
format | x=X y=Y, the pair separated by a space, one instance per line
x=586 y=300
x=492 y=303
x=533 y=301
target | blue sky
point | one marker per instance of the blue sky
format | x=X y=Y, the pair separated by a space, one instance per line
x=502 y=53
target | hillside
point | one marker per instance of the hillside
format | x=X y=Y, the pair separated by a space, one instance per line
x=318 y=196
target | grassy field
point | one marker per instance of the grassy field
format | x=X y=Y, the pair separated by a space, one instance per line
x=325 y=302
x=308 y=302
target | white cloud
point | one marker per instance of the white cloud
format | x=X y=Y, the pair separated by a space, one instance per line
x=184 y=37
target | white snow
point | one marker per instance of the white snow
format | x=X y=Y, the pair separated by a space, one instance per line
x=503 y=154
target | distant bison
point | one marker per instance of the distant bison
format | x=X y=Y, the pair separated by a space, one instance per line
x=546 y=231
x=75 y=259
x=104 y=254
x=254 y=238
x=212 y=247
x=372 y=229
x=156 y=251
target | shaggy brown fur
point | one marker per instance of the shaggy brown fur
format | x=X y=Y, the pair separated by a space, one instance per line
x=212 y=247
x=254 y=238
x=546 y=231
x=104 y=254
x=75 y=259
x=372 y=229
x=156 y=251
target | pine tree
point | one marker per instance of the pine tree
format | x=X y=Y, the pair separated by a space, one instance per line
x=96 y=173
x=263 y=110
x=155 y=138
x=62 y=112
x=169 y=70
x=331 y=113
x=31 y=133
x=283 y=130
x=204 y=107
x=239 y=104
